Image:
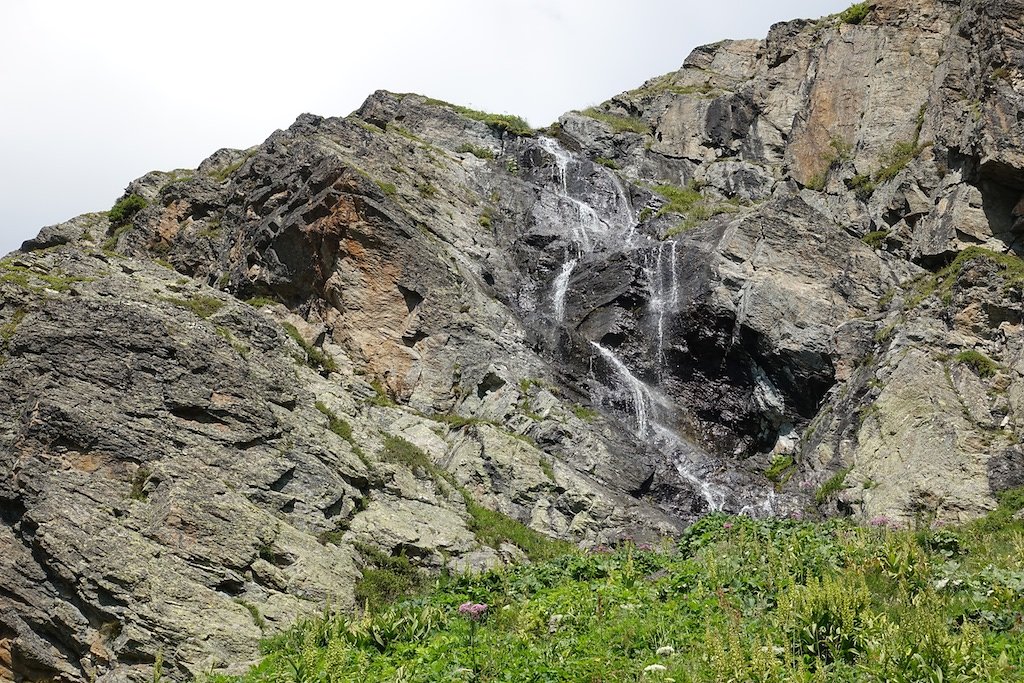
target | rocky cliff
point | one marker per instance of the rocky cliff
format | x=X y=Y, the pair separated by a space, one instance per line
x=782 y=280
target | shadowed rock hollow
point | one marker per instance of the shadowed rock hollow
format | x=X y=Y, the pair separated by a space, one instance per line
x=783 y=279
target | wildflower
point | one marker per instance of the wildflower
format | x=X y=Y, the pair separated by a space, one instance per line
x=665 y=651
x=654 y=668
x=472 y=611
x=880 y=520
x=796 y=514
x=727 y=525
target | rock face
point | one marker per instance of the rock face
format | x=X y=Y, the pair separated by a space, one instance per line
x=782 y=279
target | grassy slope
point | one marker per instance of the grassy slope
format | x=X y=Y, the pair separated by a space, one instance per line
x=736 y=600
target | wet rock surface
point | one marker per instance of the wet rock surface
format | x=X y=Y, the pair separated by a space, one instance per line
x=793 y=257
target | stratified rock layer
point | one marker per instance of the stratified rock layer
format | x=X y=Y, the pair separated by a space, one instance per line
x=793 y=257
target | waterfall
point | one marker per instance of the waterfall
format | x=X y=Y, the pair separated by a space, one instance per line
x=560 y=287
x=663 y=289
x=641 y=398
x=645 y=402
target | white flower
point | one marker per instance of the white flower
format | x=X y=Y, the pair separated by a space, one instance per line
x=666 y=651
x=652 y=668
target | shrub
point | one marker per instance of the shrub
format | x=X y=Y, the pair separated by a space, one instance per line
x=855 y=13
x=387 y=188
x=125 y=208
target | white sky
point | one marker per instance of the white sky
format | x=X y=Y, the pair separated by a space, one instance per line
x=94 y=94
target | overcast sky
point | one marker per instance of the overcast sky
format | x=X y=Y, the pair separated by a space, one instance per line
x=97 y=93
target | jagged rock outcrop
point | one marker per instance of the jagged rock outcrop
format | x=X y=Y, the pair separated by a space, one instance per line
x=780 y=280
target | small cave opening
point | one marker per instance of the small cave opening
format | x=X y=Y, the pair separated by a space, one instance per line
x=411 y=296
x=1002 y=195
x=489 y=279
x=489 y=384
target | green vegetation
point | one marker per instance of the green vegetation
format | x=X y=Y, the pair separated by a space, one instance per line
x=387 y=188
x=689 y=203
x=254 y=612
x=617 y=122
x=398 y=450
x=485 y=218
x=478 y=152
x=1009 y=267
x=781 y=469
x=839 y=151
x=458 y=421
x=261 y=301
x=607 y=163
x=506 y=123
x=203 y=306
x=834 y=484
x=386 y=578
x=664 y=84
x=138 y=491
x=315 y=358
x=584 y=413
x=855 y=14
x=343 y=429
x=8 y=329
x=381 y=396
x=124 y=209
x=896 y=159
x=222 y=174
x=492 y=528
x=547 y=468
x=862 y=185
x=37 y=282
x=982 y=365
x=735 y=599
x=875 y=239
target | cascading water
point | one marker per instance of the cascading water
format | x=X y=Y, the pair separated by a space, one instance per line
x=610 y=228
x=663 y=286
x=646 y=404
x=560 y=287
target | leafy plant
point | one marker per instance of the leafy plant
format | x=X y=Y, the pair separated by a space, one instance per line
x=875 y=239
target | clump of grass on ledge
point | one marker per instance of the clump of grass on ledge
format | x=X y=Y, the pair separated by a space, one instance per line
x=982 y=365
x=875 y=239
x=343 y=429
x=1009 y=267
x=478 y=152
x=734 y=599
x=689 y=203
x=315 y=358
x=617 y=122
x=203 y=306
x=507 y=123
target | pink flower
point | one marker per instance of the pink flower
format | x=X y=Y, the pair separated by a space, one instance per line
x=880 y=520
x=727 y=525
x=472 y=611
